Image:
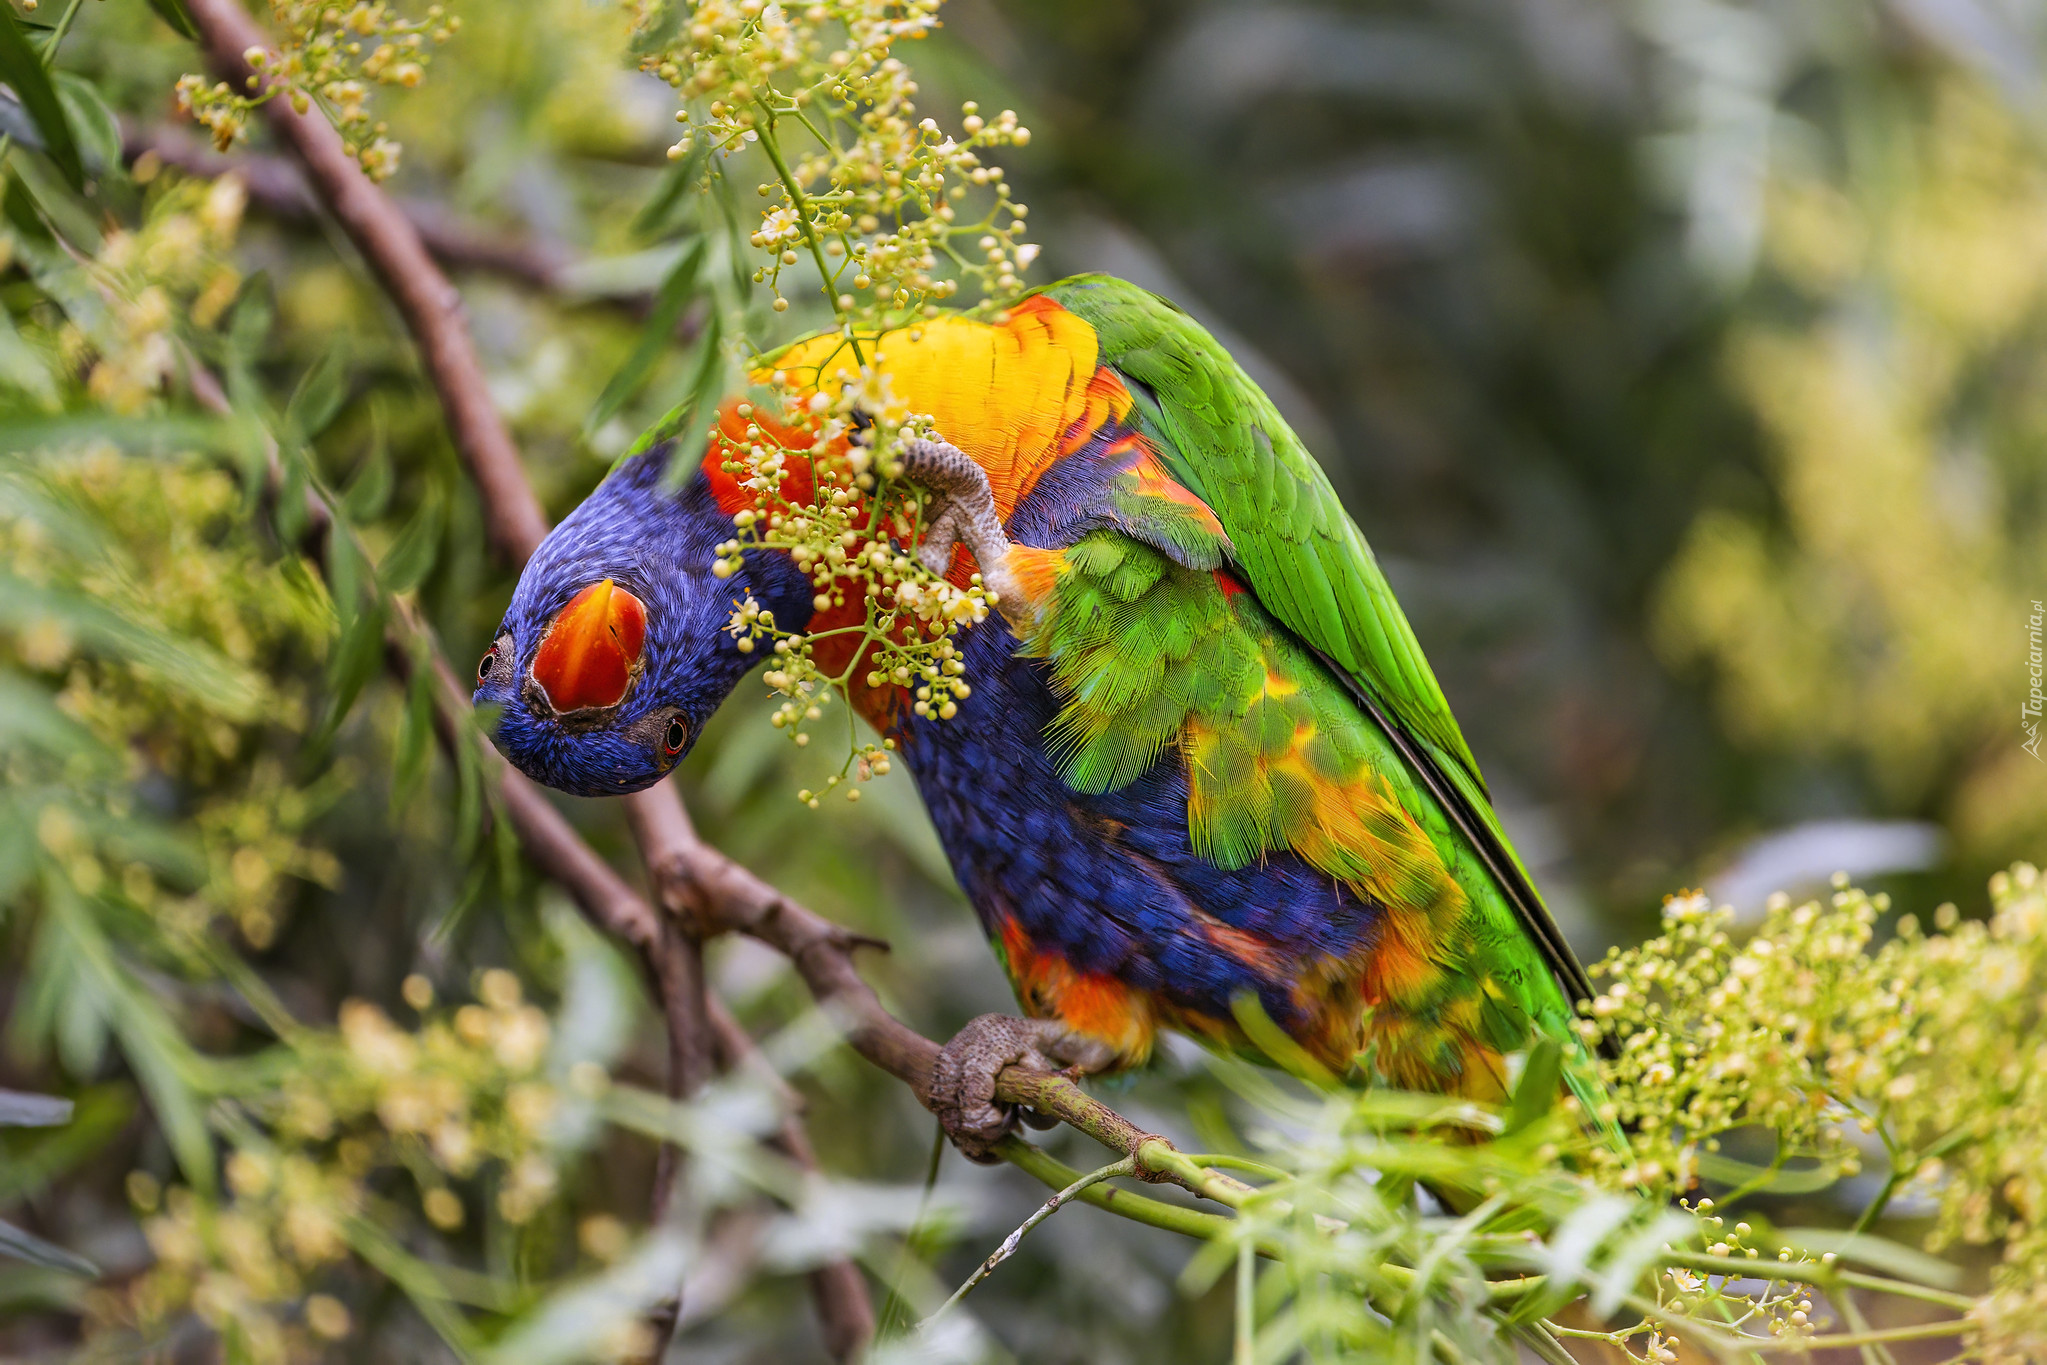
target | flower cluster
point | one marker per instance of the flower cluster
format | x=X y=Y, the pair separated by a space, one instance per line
x=180 y=568
x=1976 y=1112
x=1775 y=1296
x=332 y=53
x=1813 y=1037
x=233 y=1266
x=824 y=480
x=173 y=269
x=1786 y=1033
x=876 y=196
x=465 y=1091
x=254 y=846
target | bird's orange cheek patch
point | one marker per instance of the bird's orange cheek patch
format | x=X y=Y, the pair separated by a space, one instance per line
x=588 y=657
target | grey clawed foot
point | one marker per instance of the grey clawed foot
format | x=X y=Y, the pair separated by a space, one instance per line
x=963 y=512
x=963 y=1080
x=934 y=551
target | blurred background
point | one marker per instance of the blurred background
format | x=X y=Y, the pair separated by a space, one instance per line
x=1684 y=361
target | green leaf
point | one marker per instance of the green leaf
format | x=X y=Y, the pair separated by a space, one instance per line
x=30 y=720
x=23 y=214
x=468 y=798
x=562 y=1328
x=1761 y=1179
x=26 y=1246
x=22 y=367
x=79 y=984
x=1631 y=1260
x=155 y=436
x=652 y=221
x=1270 y=1039
x=248 y=326
x=417 y=1280
x=103 y=1112
x=440 y=931
x=738 y=234
x=19 y=1109
x=346 y=573
x=58 y=520
x=172 y=12
x=99 y=132
x=1576 y=1242
x=39 y=1289
x=1541 y=1078
x=185 y=665
x=1878 y=1253
x=600 y=997
x=688 y=421
x=173 y=852
x=317 y=400
x=21 y=68
x=357 y=656
x=411 y=556
x=655 y=336
x=74 y=218
x=289 y=512
x=369 y=492
x=662 y=25
x=18 y=850
x=415 y=734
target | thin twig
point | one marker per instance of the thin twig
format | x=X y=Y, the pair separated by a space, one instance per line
x=1127 y=1166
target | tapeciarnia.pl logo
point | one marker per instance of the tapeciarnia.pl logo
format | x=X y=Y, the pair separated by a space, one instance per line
x=2029 y=710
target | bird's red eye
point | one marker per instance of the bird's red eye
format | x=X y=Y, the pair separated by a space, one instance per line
x=490 y=656
x=675 y=738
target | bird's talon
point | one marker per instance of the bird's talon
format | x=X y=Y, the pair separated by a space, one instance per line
x=963 y=511
x=963 y=1079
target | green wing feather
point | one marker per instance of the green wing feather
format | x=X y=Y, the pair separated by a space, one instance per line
x=1303 y=556
x=1301 y=553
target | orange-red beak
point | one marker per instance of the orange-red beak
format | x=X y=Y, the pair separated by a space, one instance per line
x=587 y=658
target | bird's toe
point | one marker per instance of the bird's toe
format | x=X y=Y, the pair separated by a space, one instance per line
x=963 y=1080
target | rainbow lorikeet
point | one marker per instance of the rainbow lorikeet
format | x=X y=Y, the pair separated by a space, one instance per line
x=1201 y=761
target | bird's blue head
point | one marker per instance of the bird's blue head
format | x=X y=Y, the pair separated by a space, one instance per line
x=613 y=653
